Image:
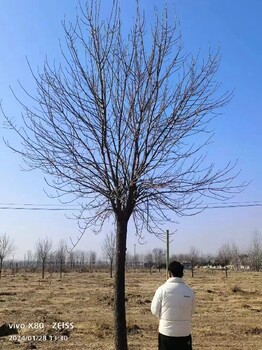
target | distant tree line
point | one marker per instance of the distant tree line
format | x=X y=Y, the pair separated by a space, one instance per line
x=47 y=259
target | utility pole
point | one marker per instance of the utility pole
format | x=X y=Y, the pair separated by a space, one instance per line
x=167 y=253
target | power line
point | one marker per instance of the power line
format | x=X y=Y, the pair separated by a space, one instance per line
x=40 y=204
x=34 y=206
x=229 y=206
x=37 y=208
x=66 y=207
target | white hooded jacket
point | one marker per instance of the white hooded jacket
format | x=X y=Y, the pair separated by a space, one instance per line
x=174 y=304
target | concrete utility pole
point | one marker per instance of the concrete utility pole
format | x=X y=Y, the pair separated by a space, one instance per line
x=167 y=253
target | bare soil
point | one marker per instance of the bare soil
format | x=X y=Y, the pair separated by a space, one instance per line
x=76 y=312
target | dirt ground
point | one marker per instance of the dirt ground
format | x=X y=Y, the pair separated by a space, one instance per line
x=76 y=312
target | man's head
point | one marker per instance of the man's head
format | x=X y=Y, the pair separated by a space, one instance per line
x=176 y=269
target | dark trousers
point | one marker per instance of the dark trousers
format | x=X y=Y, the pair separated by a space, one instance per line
x=174 y=343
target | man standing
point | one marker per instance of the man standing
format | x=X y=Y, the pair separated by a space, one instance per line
x=174 y=304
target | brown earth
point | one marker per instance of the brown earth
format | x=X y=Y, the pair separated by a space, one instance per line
x=228 y=313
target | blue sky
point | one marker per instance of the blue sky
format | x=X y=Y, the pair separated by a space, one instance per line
x=33 y=28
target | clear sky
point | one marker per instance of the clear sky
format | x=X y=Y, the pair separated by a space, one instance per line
x=33 y=28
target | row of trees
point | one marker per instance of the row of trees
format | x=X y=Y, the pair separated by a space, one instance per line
x=228 y=254
x=57 y=259
x=47 y=256
x=61 y=260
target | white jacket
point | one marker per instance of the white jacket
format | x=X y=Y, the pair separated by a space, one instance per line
x=174 y=304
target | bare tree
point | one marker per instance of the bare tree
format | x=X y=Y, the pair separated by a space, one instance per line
x=29 y=259
x=6 y=249
x=112 y=127
x=128 y=260
x=224 y=254
x=255 y=251
x=194 y=258
x=91 y=259
x=149 y=261
x=79 y=255
x=43 y=250
x=159 y=254
x=135 y=260
x=72 y=260
x=109 y=249
x=235 y=256
x=83 y=258
x=61 y=254
x=51 y=261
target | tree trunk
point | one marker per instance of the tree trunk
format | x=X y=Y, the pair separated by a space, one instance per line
x=111 y=268
x=120 y=311
x=61 y=269
x=43 y=269
x=1 y=266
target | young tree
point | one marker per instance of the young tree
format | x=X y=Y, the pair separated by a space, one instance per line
x=91 y=259
x=109 y=249
x=135 y=260
x=72 y=260
x=159 y=254
x=112 y=128
x=235 y=256
x=255 y=251
x=83 y=258
x=51 y=260
x=29 y=259
x=148 y=259
x=43 y=250
x=79 y=254
x=6 y=249
x=128 y=260
x=224 y=254
x=61 y=254
x=194 y=258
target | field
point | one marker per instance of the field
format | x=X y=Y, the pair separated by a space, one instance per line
x=228 y=313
